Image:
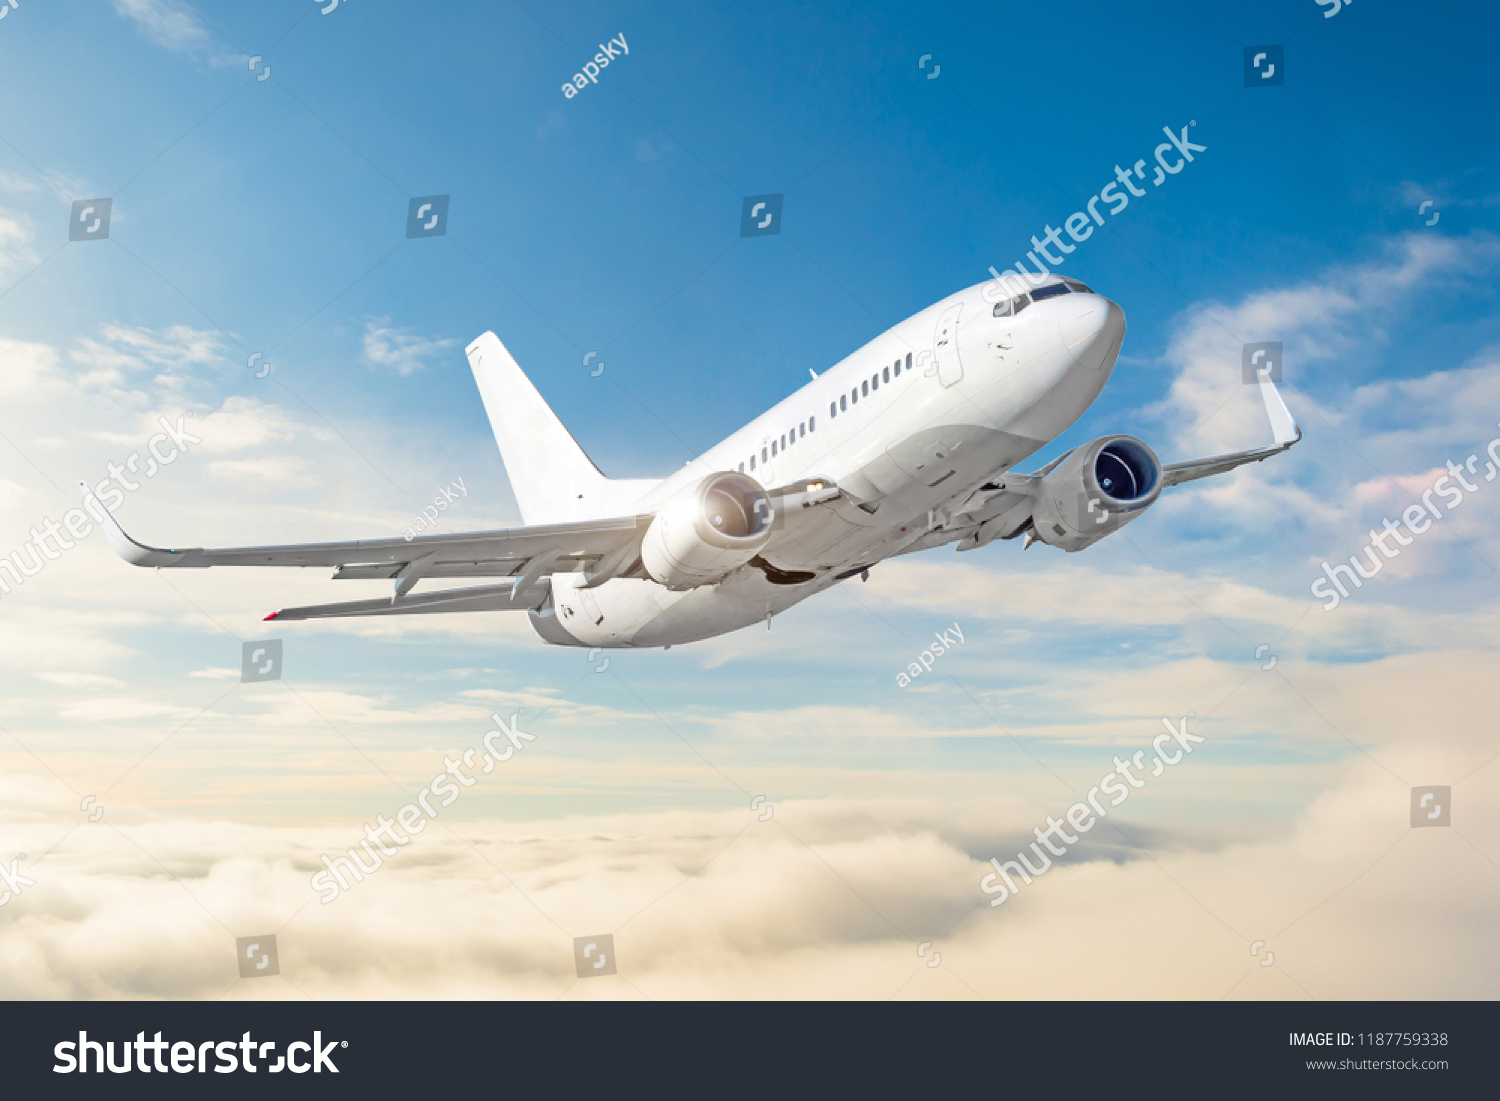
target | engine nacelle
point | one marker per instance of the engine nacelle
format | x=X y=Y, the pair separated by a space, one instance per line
x=1096 y=491
x=706 y=531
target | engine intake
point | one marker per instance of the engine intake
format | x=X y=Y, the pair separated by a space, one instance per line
x=706 y=531
x=1096 y=491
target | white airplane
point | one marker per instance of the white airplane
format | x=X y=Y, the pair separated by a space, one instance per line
x=907 y=444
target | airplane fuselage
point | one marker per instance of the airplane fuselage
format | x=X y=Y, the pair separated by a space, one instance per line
x=908 y=428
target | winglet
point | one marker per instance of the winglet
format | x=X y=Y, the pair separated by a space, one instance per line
x=137 y=554
x=1283 y=427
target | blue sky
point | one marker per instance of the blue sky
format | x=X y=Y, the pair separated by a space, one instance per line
x=610 y=221
x=269 y=216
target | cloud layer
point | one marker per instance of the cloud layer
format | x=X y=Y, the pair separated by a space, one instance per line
x=634 y=813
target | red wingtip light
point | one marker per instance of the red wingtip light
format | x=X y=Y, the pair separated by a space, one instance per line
x=270 y=617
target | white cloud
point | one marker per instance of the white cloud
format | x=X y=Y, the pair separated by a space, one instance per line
x=1335 y=316
x=173 y=25
x=118 y=708
x=903 y=794
x=14 y=184
x=1443 y=194
x=17 y=234
x=81 y=680
x=123 y=351
x=28 y=366
x=830 y=896
x=280 y=471
x=399 y=349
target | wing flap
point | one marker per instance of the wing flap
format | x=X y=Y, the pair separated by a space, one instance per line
x=480 y=598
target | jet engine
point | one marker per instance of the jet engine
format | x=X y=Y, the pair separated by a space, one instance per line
x=706 y=531
x=1096 y=491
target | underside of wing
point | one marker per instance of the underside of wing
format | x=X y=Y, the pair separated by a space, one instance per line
x=1173 y=474
x=1012 y=505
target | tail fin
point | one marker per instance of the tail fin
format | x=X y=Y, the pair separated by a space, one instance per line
x=552 y=478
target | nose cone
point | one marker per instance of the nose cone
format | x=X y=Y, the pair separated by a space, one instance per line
x=1092 y=329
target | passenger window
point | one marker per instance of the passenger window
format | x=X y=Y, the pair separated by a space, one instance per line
x=802 y=429
x=783 y=443
x=843 y=403
x=752 y=462
x=908 y=361
x=898 y=368
x=887 y=374
x=875 y=381
x=833 y=409
x=865 y=388
x=773 y=448
x=812 y=423
x=765 y=455
x=742 y=468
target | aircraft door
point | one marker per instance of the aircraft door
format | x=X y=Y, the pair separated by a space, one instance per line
x=945 y=346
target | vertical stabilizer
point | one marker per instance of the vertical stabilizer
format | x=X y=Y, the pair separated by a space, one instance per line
x=552 y=478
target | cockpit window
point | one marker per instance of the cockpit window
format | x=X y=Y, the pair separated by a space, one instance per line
x=1050 y=292
x=1078 y=288
x=1012 y=306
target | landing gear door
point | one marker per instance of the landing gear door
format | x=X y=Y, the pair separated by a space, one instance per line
x=945 y=346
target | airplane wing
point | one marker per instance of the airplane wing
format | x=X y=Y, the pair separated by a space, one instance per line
x=1003 y=507
x=479 y=598
x=1283 y=428
x=600 y=548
